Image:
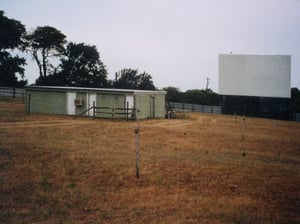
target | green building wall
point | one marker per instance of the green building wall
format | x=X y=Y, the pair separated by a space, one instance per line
x=142 y=105
x=150 y=106
x=160 y=109
x=48 y=102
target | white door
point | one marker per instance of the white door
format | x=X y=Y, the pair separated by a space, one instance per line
x=129 y=104
x=70 y=103
x=91 y=99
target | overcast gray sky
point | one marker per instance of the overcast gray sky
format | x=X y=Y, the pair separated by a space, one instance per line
x=176 y=41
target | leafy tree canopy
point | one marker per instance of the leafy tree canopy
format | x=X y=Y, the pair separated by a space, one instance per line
x=130 y=79
x=197 y=96
x=45 y=42
x=145 y=82
x=80 y=66
x=11 y=37
x=11 y=33
x=173 y=94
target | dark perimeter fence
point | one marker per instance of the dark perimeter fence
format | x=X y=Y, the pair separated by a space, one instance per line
x=296 y=117
x=187 y=107
x=10 y=92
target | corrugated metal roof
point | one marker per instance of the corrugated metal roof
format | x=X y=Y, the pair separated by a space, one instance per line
x=106 y=90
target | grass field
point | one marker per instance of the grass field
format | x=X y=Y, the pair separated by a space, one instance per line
x=196 y=169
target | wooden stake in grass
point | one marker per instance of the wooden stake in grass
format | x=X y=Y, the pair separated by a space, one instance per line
x=137 y=168
x=137 y=150
x=243 y=127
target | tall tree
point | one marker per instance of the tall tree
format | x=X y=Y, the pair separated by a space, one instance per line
x=200 y=96
x=130 y=79
x=195 y=96
x=126 y=79
x=45 y=42
x=9 y=68
x=11 y=37
x=173 y=94
x=145 y=82
x=80 y=66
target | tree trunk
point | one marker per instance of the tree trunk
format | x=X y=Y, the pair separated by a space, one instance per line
x=35 y=56
x=44 y=63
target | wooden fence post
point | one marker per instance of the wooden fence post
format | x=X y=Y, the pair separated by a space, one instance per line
x=127 y=109
x=28 y=103
x=94 y=112
x=243 y=127
x=137 y=150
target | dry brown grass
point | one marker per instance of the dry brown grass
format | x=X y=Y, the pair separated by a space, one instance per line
x=55 y=169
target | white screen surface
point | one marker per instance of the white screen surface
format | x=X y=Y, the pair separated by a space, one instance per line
x=255 y=75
